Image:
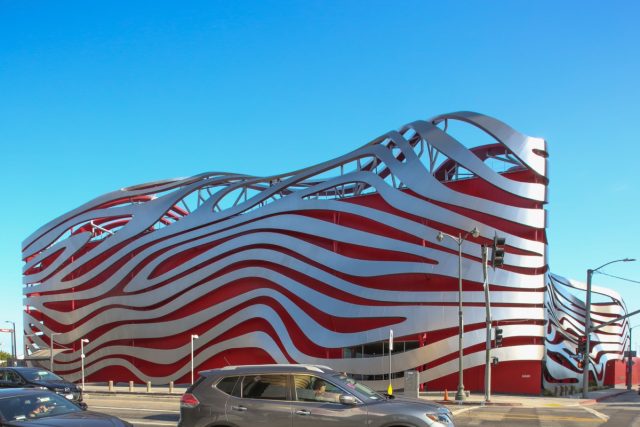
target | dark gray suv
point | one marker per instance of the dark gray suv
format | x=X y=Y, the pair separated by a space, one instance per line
x=298 y=395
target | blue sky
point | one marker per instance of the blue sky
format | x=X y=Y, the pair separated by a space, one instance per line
x=98 y=96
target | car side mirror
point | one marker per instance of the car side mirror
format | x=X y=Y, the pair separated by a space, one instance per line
x=347 y=399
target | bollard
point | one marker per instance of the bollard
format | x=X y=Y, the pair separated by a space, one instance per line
x=170 y=386
x=130 y=386
x=148 y=386
x=110 y=385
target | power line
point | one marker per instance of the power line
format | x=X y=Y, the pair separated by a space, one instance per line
x=617 y=277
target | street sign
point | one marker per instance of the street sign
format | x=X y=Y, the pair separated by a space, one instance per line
x=633 y=354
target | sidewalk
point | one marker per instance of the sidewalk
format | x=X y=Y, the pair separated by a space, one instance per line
x=137 y=389
x=475 y=399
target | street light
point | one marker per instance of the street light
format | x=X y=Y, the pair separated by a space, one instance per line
x=14 y=353
x=459 y=240
x=587 y=326
x=53 y=334
x=193 y=337
x=630 y=360
x=82 y=341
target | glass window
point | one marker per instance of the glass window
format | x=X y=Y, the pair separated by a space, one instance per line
x=310 y=388
x=13 y=378
x=227 y=385
x=40 y=375
x=35 y=405
x=273 y=387
x=352 y=384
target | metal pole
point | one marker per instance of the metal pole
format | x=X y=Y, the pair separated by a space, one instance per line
x=460 y=394
x=587 y=326
x=587 y=331
x=14 y=351
x=192 y=338
x=82 y=341
x=629 y=361
x=390 y=388
x=487 y=303
x=51 y=355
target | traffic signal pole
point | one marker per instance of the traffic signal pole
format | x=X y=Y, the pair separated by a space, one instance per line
x=487 y=304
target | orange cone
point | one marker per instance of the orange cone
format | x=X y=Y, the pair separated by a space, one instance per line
x=446 y=395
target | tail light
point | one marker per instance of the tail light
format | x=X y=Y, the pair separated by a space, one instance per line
x=188 y=400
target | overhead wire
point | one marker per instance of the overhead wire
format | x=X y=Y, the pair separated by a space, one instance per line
x=618 y=277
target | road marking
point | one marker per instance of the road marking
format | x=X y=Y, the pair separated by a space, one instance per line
x=493 y=416
x=150 y=423
x=134 y=409
x=596 y=413
x=460 y=411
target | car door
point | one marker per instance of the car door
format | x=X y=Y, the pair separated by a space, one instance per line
x=265 y=401
x=319 y=406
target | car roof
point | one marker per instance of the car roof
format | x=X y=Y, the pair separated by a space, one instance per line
x=10 y=392
x=23 y=368
x=278 y=368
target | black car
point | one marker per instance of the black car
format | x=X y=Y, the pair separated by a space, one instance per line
x=39 y=378
x=22 y=407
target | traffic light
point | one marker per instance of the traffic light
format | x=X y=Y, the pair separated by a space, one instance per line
x=582 y=345
x=580 y=364
x=497 y=254
x=498 y=337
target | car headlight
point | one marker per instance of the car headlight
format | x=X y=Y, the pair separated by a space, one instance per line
x=439 y=418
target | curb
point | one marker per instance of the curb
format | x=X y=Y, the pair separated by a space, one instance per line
x=601 y=398
x=132 y=393
x=476 y=403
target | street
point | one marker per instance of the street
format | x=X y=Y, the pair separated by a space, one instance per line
x=140 y=410
x=619 y=411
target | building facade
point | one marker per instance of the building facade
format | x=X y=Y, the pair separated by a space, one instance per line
x=317 y=265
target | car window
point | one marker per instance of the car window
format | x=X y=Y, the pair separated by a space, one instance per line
x=35 y=405
x=310 y=388
x=40 y=375
x=12 y=377
x=273 y=387
x=227 y=385
x=352 y=384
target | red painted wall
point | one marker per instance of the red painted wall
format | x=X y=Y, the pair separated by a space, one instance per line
x=616 y=373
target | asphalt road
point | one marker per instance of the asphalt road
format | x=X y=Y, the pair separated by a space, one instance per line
x=141 y=411
x=620 y=411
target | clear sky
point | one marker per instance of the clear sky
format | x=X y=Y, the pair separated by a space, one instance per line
x=95 y=96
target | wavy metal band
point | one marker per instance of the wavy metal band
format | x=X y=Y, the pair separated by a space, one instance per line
x=303 y=266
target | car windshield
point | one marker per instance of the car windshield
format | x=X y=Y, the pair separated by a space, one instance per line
x=352 y=384
x=40 y=375
x=35 y=405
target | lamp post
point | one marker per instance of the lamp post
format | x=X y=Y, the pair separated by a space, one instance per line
x=587 y=326
x=14 y=352
x=459 y=240
x=193 y=337
x=630 y=360
x=53 y=334
x=82 y=341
